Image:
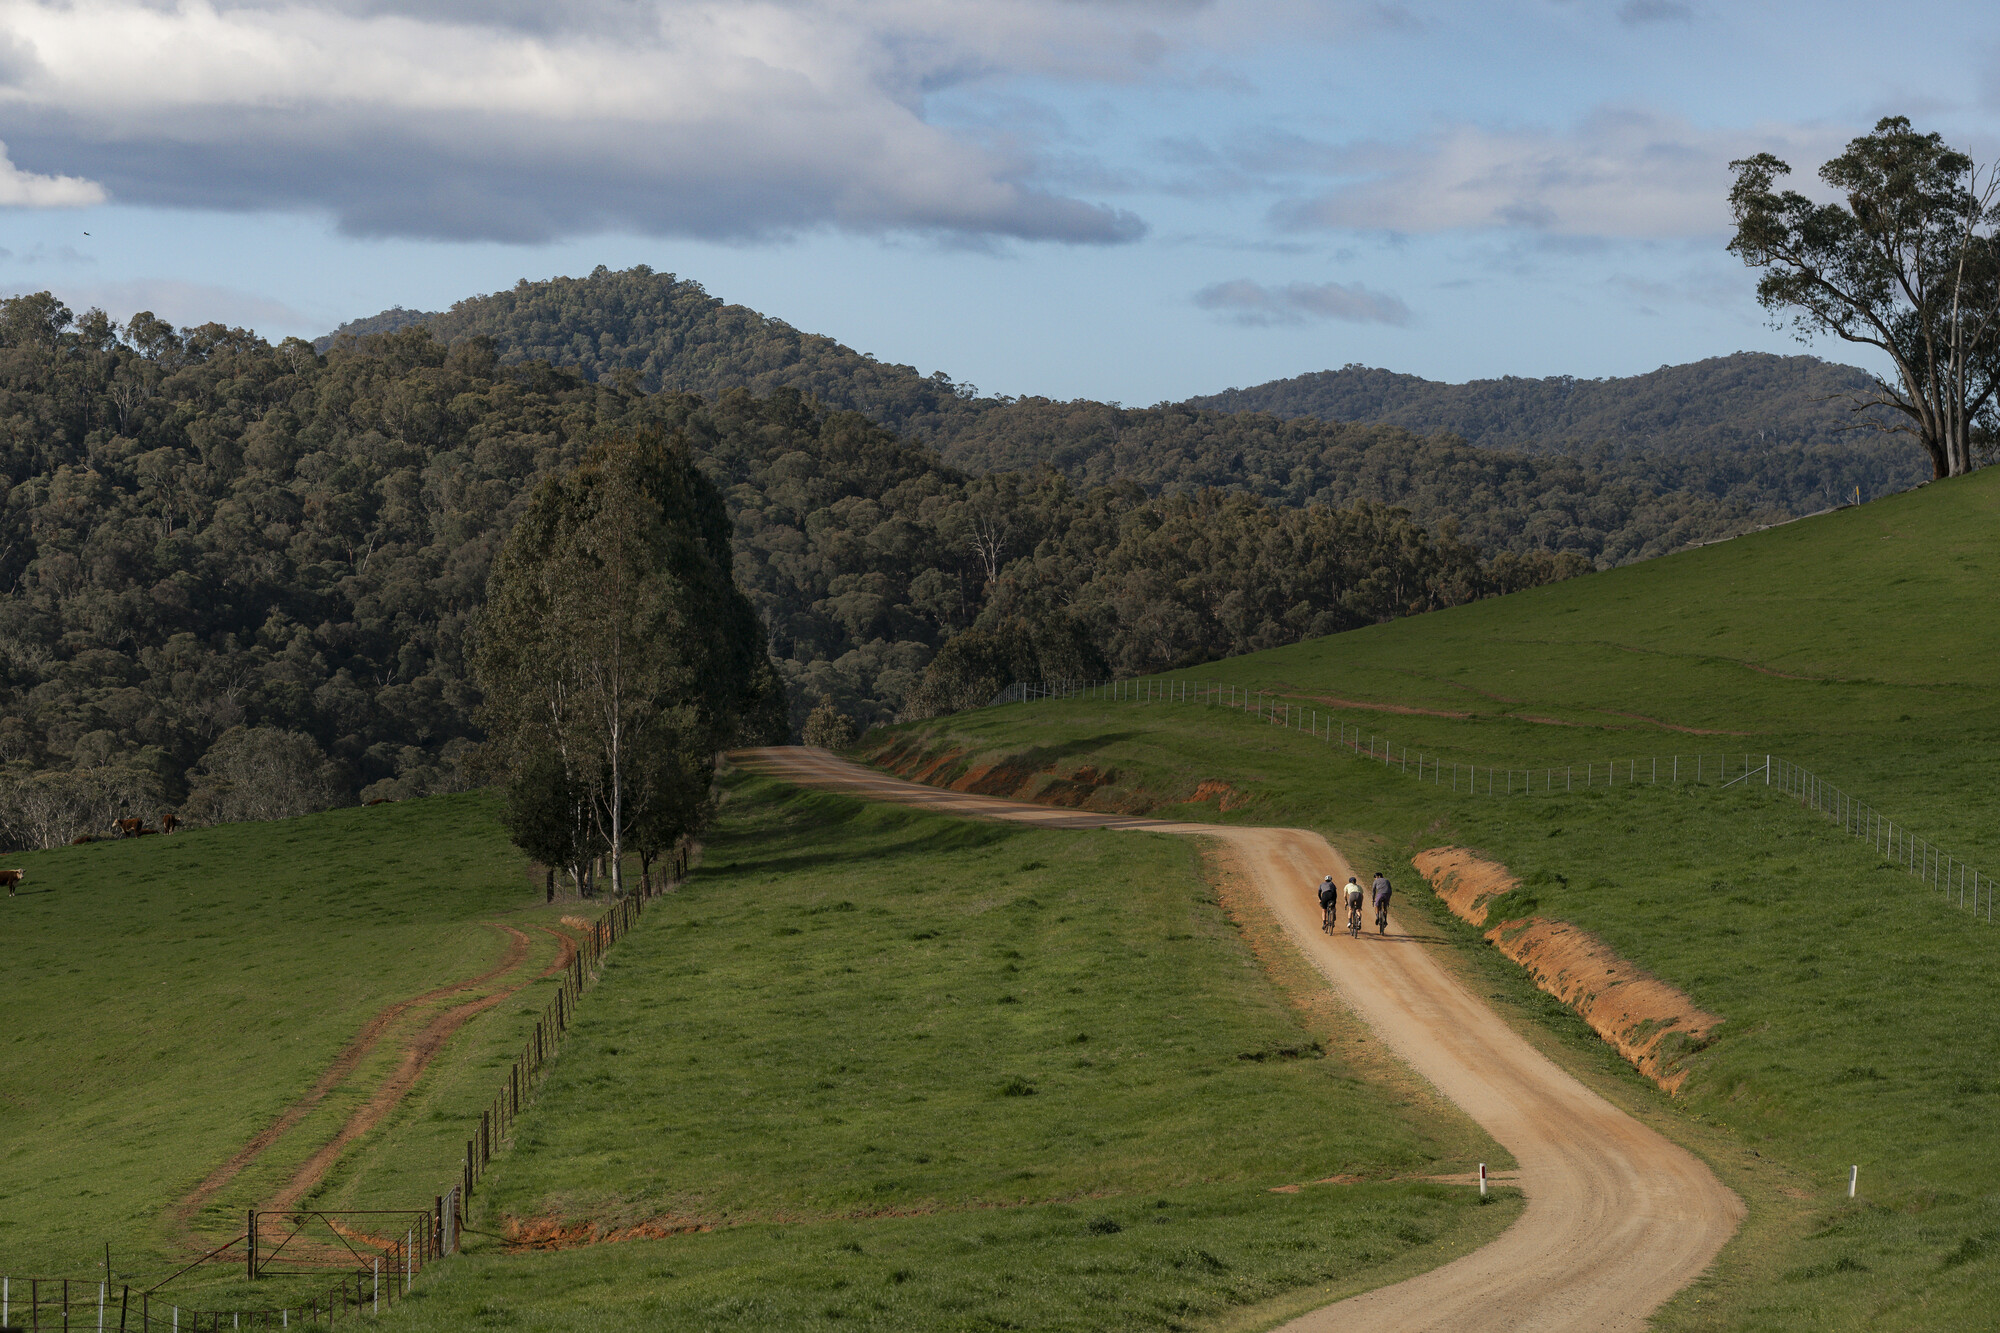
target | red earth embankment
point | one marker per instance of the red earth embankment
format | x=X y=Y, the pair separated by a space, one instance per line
x=1650 y=1022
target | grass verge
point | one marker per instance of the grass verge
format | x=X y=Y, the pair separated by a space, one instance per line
x=1852 y=1001
x=894 y=1069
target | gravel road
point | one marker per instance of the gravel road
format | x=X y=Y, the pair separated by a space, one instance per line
x=1618 y=1218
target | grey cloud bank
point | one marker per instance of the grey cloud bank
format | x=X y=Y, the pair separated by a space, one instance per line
x=1252 y=303
x=1620 y=172
x=525 y=124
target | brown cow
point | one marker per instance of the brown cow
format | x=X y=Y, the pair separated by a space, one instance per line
x=12 y=879
x=125 y=828
x=169 y=822
x=81 y=840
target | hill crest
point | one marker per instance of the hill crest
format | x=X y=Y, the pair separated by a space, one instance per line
x=1746 y=400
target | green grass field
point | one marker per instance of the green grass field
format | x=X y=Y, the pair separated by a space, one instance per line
x=917 y=1073
x=913 y=1072
x=1857 y=1004
x=169 y=997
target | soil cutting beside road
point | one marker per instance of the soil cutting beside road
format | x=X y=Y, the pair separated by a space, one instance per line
x=1618 y=1218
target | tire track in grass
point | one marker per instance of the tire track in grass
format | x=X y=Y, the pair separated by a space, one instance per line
x=422 y=1048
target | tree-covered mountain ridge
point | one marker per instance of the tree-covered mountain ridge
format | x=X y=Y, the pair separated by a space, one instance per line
x=243 y=581
x=1739 y=439
x=1743 y=401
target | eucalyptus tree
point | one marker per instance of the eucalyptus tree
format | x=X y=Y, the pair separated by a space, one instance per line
x=617 y=656
x=1908 y=263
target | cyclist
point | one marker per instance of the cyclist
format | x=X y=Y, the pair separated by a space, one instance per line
x=1353 y=907
x=1382 y=895
x=1327 y=896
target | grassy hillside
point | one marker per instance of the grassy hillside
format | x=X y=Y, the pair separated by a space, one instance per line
x=1855 y=1002
x=896 y=1070
x=168 y=998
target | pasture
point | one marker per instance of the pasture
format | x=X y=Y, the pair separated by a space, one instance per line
x=1857 y=1004
x=170 y=997
x=882 y=1068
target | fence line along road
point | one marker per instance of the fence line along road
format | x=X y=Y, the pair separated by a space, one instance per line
x=370 y=1283
x=1943 y=872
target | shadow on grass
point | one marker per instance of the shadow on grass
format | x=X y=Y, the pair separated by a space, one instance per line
x=1039 y=757
x=815 y=830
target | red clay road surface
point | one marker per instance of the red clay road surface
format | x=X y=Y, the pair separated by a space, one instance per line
x=1618 y=1218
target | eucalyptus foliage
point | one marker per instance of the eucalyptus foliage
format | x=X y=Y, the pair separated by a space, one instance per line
x=1908 y=263
x=616 y=656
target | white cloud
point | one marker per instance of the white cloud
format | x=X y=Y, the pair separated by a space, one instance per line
x=25 y=189
x=1620 y=173
x=1248 y=302
x=730 y=119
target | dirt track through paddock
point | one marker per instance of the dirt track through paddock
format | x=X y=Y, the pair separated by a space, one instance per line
x=423 y=1047
x=417 y=1056
x=1618 y=1218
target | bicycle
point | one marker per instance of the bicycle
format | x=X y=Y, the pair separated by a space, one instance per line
x=1354 y=921
x=1382 y=918
x=1328 y=923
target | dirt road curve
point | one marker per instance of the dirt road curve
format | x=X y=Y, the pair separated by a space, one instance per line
x=1618 y=1219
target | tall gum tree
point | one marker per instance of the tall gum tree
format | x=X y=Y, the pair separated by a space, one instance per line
x=1909 y=264
x=617 y=655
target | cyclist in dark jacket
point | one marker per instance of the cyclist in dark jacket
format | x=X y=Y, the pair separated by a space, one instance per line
x=1328 y=896
x=1382 y=895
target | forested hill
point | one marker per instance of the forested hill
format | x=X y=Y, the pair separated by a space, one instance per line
x=241 y=579
x=1680 y=442
x=669 y=334
x=1751 y=400
x=1609 y=507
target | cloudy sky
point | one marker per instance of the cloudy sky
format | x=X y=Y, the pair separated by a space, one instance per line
x=1121 y=199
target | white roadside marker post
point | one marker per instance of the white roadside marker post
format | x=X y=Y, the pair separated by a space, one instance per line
x=1853 y=1179
x=1482 y=1180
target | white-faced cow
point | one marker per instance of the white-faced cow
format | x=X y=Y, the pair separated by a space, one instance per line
x=12 y=879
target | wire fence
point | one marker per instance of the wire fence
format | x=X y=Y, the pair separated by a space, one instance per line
x=1958 y=881
x=376 y=1270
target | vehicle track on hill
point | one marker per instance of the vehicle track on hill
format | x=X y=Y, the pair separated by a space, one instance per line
x=1618 y=1217
x=420 y=1049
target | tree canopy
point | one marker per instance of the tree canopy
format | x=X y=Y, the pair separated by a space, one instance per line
x=1721 y=404
x=1735 y=436
x=1908 y=263
x=616 y=657
x=201 y=531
